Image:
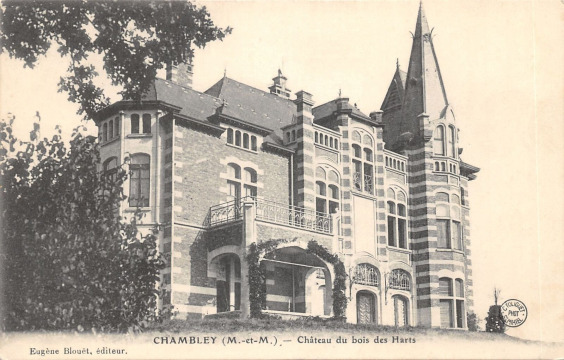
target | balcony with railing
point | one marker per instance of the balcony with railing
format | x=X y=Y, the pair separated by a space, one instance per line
x=273 y=212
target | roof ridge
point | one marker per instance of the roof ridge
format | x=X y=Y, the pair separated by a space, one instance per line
x=185 y=87
x=260 y=90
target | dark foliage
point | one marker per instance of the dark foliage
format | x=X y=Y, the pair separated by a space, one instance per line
x=472 y=321
x=69 y=261
x=135 y=40
x=494 y=321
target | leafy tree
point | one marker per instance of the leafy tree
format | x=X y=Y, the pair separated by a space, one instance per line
x=69 y=260
x=472 y=321
x=135 y=40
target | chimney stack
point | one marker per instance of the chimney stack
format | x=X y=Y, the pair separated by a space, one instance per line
x=180 y=74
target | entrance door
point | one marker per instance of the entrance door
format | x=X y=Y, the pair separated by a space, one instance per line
x=365 y=307
x=400 y=307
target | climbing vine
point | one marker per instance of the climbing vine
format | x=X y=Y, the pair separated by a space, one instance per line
x=257 y=275
x=339 y=283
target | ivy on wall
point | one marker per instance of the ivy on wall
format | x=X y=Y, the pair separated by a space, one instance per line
x=339 y=283
x=257 y=275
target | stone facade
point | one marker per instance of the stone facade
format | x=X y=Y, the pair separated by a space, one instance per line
x=216 y=171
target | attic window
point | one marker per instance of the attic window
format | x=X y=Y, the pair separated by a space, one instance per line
x=242 y=139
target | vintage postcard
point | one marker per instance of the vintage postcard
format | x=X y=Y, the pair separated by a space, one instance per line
x=322 y=179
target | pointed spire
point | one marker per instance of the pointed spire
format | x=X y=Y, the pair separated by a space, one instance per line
x=421 y=28
x=424 y=88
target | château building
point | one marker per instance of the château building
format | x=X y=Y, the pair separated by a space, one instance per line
x=218 y=170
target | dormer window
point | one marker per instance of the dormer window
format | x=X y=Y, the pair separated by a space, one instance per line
x=242 y=139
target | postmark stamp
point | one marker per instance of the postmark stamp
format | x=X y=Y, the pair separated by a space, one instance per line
x=514 y=312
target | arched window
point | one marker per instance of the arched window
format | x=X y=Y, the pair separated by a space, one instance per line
x=230 y=136
x=116 y=125
x=366 y=274
x=234 y=182
x=105 y=132
x=400 y=280
x=327 y=195
x=451 y=148
x=316 y=137
x=363 y=167
x=449 y=228
x=237 y=138
x=146 y=123
x=238 y=182
x=451 y=303
x=293 y=135
x=111 y=130
x=439 y=140
x=110 y=168
x=397 y=219
x=253 y=143
x=139 y=182
x=336 y=144
x=250 y=182
x=245 y=140
x=135 y=123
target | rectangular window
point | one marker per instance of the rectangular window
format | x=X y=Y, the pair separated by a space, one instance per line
x=116 y=124
x=134 y=124
x=234 y=190
x=320 y=205
x=402 y=238
x=250 y=190
x=333 y=207
x=456 y=235
x=146 y=123
x=445 y=286
x=391 y=231
x=446 y=313
x=139 y=189
x=459 y=313
x=443 y=236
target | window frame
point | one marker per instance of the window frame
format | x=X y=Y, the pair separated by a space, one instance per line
x=456 y=299
x=363 y=162
x=394 y=219
x=141 y=184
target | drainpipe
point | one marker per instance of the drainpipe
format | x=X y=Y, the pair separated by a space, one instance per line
x=291 y=179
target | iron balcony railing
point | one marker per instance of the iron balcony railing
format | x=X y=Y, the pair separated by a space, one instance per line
x=271 y=211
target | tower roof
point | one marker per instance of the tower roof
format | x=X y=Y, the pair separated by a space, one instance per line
x=424 y=89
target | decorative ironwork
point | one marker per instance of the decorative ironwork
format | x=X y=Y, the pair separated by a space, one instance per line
x=365 y=274
x=293 y=216
x=273 y=212
x=357 y=181
x=368 y=185
x=399 y=280
x=224 y=213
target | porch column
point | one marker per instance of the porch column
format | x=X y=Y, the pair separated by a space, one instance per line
x=249 y=237
x=231 y=283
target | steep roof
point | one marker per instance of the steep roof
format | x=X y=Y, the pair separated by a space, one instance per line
x=253 y=105
x=327 y=109
x=194 y=104
x=424 y=89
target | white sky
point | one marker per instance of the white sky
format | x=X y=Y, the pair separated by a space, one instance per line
x=502 y=65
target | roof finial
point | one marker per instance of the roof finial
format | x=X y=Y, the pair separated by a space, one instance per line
x=397 y=63
x=225 y=71
x=339 y=93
